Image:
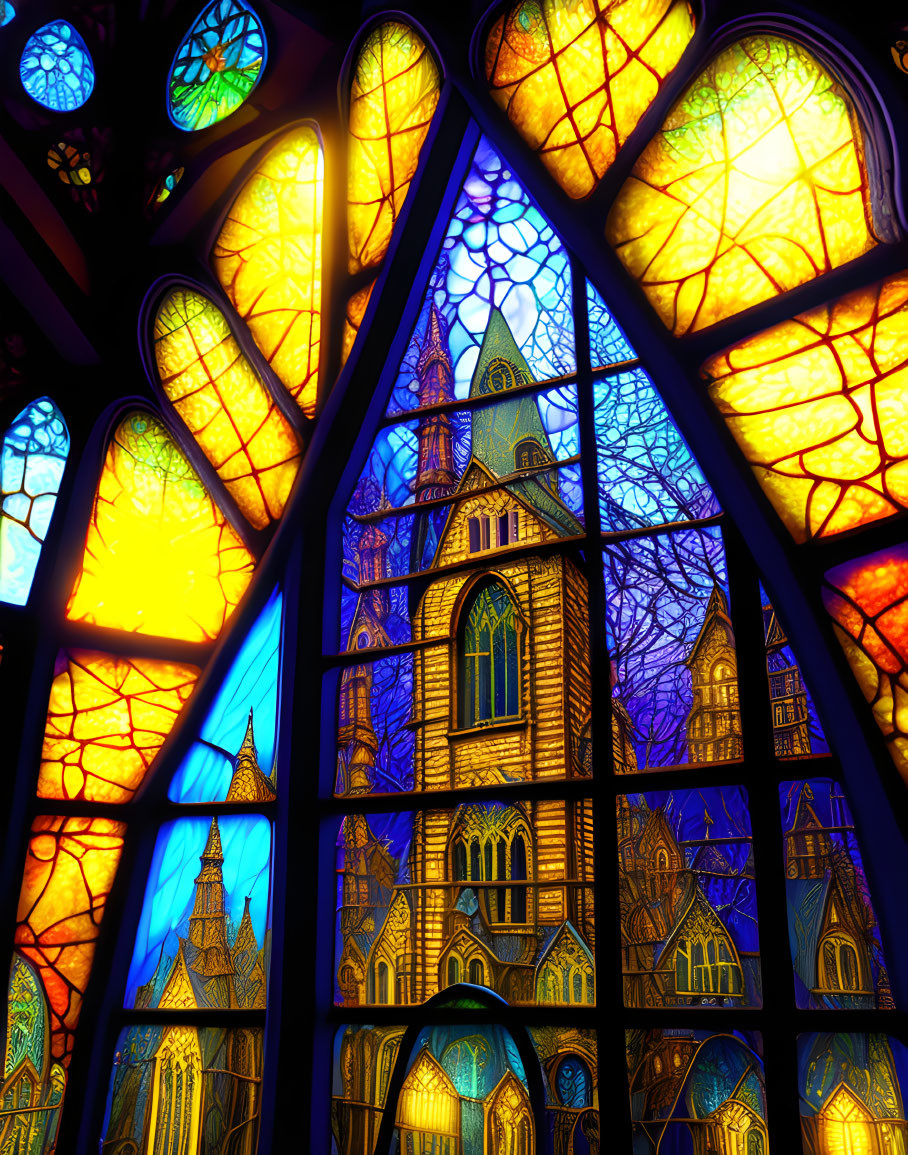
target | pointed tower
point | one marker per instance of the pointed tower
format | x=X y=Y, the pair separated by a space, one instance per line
x=714 y=721
x=205 y=948
x=787 y=692
x=248 y=783
x=435 y=476
x=247 y=965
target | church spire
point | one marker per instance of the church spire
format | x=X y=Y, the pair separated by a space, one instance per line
x=210 y=959
x=248 y=783
x=435 y=476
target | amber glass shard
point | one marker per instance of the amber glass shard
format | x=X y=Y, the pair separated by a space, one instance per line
x=268 y=257
x=867 y=600
x=393 y=96
x=755 y=184
x=106 y=720
x=69 y=869
x=819 y=408
x=229 y=412
x=356 y=310
x=160 y=557
x=574 y=78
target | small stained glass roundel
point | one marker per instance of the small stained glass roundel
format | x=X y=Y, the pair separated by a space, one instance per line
x=217 y=65
x=56 y=67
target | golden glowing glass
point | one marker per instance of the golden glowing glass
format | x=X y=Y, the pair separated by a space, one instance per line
x=106 y=720
x=575 y=76
x=229 y=412
x=160 y=557
x=268 y=257
x=393 y=95
x=69 y=869
x=755 y=184
x=356 y=310
x=819 y=407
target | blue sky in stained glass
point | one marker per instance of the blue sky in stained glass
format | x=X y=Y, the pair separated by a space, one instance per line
x=56 y=68
x=783 y=658
x=656 y=591
x=607 y=342
x=32 y=461
x=392 y=708
x=251 y=683
x=498 y=250
x=170 y=891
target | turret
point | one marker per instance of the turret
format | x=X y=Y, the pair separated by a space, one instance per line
x=208 y=925
x=248 y=783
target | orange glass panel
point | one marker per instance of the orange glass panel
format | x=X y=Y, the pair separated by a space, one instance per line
x=268 y=257
x=69 y=869
x=868 y=601
x=819 y=407
x=229 y=412
x=356 y=310
x=393 y=96
x=575 y=76
x=160 y=557
x=755 y=184
x=106 y=720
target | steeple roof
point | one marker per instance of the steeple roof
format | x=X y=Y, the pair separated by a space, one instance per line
x=248 y=783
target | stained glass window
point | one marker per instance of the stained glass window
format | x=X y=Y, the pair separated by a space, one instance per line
x=354 y=664
x=755 y=184
x=32 y=459
x=217 y=64
x=56 y=67
x=574 y=79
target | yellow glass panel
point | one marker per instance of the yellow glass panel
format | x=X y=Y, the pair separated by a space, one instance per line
x=575 y=76
x=393 y=96
x=69 y=869
x=819 y=407
x=755 y=184
x=160 y=557
x=227 y=408
x=356 y=310
x=268 y=257
x=106 y=720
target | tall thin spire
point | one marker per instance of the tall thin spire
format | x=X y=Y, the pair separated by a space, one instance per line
x=208 y=925
x=248 y=783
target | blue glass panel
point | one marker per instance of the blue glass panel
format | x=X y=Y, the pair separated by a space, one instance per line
x=217 y=65
x=647 y=475
x=498 y=250
x=683 y=1081
x=7 y=12
x=376 y=703
x=251 y=684
x=56 y=67
x=796 y=728
x=832 y=929
x=667 y=625
x=852 y=1091
x=688 y=899
x=32 y=461
x=203 y=938
x=607 y=343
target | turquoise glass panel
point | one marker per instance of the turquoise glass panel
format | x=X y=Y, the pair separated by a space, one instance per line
x=32 y=461
x=7 y=12
x=217 y=65
x=56 y=67
x=251 y=684
x=608 y=344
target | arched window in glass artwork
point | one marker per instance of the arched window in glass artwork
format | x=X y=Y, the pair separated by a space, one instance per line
x=573 y=1083
x=477 y=972
x=490 y=658
x=56 y=68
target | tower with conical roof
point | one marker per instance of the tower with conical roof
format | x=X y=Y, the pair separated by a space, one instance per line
x=435 y=475
x=205 y=949
x=714 y=721
x=248 y=783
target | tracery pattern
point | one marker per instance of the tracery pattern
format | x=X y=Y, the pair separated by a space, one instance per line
x=356 y=310
x=56 y=68
x=755 y=184
x=160 y=557
x=69 y=869
x=499 y=251
x=217 y=64
x=393 y=95
x=818 y=407
x=204 y=933
x=832 y=928
x=107 y=718
x=32 y=461
x=574 y=79
x=217 y=766
x=268 y=258
x=866 y=599
x=688 y=899
x=608 y=345
x=218 y=394
x=674 y=670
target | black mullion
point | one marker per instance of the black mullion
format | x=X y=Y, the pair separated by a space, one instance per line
x=779 y=1054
